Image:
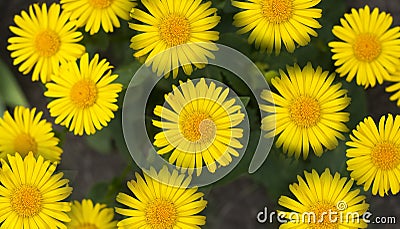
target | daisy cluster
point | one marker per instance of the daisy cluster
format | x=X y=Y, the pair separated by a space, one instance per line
x=199 y=124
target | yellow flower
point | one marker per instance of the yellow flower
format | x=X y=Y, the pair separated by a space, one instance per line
x=273 y=22
x=86 y=215
x=395 y=87
x=374 y=158
x=44 y=39
x=31 y=194
x=200 y=127
x=26 y=132
x=368 y=49
x=179 y=26
x=167 y=204
x=308 y=111
x=85 y=96
x=95 y=13
x=324 y=202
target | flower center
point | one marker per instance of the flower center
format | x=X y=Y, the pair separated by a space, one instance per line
x=24 y=143
x=100 y=4
x=161 y=214
x=47 y=43
x=84 y=93
x=386 y=155
x=86 y=226
x=367 y=47
x=324 y=216
x=277 y=11
x=26 y=201
x=305 y=111
x=174 y=30
x=198 y=127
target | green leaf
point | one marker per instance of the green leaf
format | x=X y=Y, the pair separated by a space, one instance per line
x=2 y=106
x=269 y=75
x=105 y=192
x=97 y=42
x=358 y=104
x=277 y=173
x=119 y=139
x=219 y=4
x=101 y=141
x=236 y=41
x=126 y=72
x=98 y=192
x=245 y=100
x=10 y=92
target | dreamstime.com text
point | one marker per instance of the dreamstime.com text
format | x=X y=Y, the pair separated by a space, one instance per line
x=266 y=216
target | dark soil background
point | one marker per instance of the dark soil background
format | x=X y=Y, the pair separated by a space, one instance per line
x=239 y=201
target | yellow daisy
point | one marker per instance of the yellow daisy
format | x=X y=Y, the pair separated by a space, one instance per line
x=31 y=194
x=324 y=202
x=374 y=158
x=177 y=25
x=200 y=127
x=368 y=49
x=86 y=215
x=95 y=13
x=308 y=111
x=168 y=204
x=26 y=132
x=44 y=39
x=85 y=96
x=395 y=87
x=272 y=22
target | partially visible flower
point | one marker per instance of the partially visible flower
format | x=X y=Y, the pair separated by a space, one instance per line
x=374 y=156
x=273 y=22
x=44 y=39
x=178 y=30
x=324 y=202
x=156 y=204
x=86 y=215
x=32 y=195
x=200 y=128
x=395 y=87
x=95 y=13
x=25 y=131
x=368 y=50
x=309 y=111
x=85 y=95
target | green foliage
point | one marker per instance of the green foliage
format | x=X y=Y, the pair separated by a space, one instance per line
x=101 y=141
x=10 y=92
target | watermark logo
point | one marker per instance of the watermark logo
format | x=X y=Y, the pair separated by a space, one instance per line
x=340 y=216
x=134 y=115
x=341 y=205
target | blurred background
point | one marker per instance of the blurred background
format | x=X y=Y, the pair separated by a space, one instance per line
x=99 y=166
